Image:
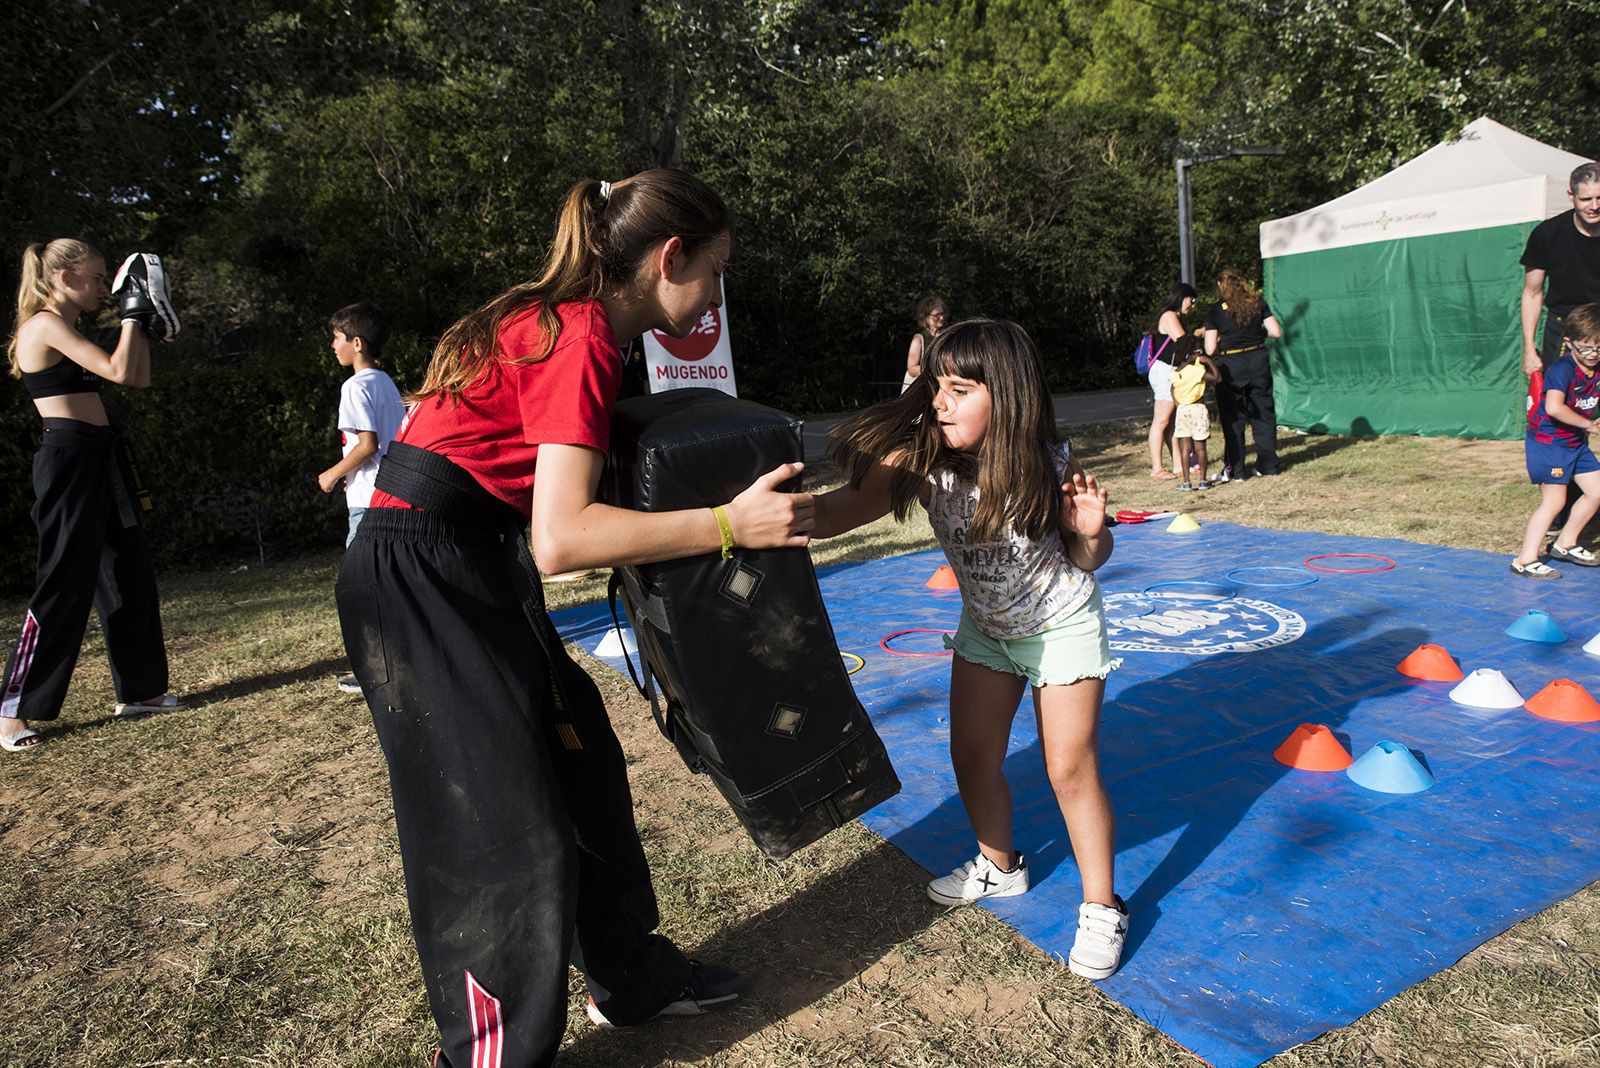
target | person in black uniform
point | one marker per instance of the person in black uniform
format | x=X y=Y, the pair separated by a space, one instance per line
x=92 y=549
x=1561 y=265
x=510 y=788
x=1236 y=332
x=1561 y=262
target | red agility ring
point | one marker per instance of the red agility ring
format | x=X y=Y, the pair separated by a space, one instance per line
x=887 y=638
x=1389 y=564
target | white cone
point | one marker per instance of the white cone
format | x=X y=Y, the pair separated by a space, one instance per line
x=616 y=642
x=1593 y=645
x=1486 y=688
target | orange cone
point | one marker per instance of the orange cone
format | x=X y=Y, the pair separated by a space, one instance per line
x=1565 y=702
x=1312 y=747
x=943 y=579
x=1432 y=663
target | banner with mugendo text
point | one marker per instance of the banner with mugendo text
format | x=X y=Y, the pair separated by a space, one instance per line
x=704 y=358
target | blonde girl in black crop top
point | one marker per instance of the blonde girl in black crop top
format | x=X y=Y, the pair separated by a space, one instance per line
x=60 y=282
x=61 y=368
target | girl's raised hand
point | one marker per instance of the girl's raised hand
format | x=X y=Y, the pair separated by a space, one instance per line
x=1083 y=502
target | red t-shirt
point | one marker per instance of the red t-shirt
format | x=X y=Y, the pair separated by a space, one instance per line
x=503 y=418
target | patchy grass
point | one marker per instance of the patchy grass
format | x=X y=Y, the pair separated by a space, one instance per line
x=221 y=886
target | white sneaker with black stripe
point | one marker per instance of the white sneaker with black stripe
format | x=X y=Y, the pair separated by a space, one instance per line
x=1102 y=930
x=979 y=878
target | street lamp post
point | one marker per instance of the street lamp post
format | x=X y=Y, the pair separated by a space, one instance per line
x=1186 y=211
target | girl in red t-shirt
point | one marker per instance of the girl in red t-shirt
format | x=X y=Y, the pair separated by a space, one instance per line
x=511 y=793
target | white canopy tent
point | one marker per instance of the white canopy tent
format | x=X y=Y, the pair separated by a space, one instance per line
x=1401 y=298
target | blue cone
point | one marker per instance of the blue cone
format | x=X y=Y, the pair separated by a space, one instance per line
x=1390 y=768
x=1536 y=626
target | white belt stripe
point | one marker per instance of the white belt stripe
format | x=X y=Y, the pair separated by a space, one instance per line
x=488 y=1034
x=27 y=642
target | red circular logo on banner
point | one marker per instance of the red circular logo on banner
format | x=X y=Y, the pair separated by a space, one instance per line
x=701 y=340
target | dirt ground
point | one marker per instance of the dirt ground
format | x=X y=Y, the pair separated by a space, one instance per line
x=221 y=886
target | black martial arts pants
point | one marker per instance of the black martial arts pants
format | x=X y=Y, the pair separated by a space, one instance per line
x=510 y=792
x=1245 y=393
x=92 y=550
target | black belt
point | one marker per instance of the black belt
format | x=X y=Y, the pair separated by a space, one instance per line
x=132 y=495
x=431 y=482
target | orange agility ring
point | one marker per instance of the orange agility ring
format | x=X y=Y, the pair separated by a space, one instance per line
x=1388 y=564
x=887 y=638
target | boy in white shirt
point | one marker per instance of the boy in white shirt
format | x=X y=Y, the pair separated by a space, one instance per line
x=370 y=413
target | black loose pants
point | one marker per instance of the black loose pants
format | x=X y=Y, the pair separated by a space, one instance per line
x=510 y=791
x=1245 y=394
x=92 y=550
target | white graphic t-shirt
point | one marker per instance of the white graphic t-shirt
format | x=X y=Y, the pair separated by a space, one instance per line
x=1012 y=587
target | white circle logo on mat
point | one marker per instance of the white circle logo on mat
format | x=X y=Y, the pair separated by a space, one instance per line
x=1196 y=624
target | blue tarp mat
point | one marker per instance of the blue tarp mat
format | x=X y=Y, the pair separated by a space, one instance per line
x=1268 y=904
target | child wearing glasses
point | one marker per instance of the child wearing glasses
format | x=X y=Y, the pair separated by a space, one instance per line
x=1561 y=416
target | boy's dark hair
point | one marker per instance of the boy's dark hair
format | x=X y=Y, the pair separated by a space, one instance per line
x=1583 y=323
x=364 y=321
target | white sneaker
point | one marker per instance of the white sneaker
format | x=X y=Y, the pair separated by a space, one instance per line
x=979 y=878
x=1097 y=950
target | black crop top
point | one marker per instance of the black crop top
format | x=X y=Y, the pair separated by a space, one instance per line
x=61 y=377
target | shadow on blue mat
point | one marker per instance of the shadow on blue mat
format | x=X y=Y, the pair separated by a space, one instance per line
x=1267 y=904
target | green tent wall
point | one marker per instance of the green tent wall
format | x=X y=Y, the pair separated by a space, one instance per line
x=1401 y=300
x=1419 y=335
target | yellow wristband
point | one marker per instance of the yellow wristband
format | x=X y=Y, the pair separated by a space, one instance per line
x=727 y=531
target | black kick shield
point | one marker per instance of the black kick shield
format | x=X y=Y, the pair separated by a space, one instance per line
x=752 y=688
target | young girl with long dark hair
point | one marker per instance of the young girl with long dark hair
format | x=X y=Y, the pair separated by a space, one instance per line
x=510 y=790
x=1024 y=528
x=92 y=549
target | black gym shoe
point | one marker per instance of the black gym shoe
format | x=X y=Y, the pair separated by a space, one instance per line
x=710 y=986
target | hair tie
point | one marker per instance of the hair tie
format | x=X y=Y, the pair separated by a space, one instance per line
x=605 y=190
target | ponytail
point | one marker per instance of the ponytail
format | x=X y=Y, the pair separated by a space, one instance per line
x=39 y=263
x=604 y=232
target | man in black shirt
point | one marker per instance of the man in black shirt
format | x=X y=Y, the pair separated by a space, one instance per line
x=1563 y=251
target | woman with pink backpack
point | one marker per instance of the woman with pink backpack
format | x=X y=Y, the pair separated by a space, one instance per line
x=1164 y=336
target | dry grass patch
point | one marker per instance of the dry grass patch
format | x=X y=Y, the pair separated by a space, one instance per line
x=221 y=886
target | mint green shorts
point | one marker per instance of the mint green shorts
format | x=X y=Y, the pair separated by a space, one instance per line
x=1072 y=646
